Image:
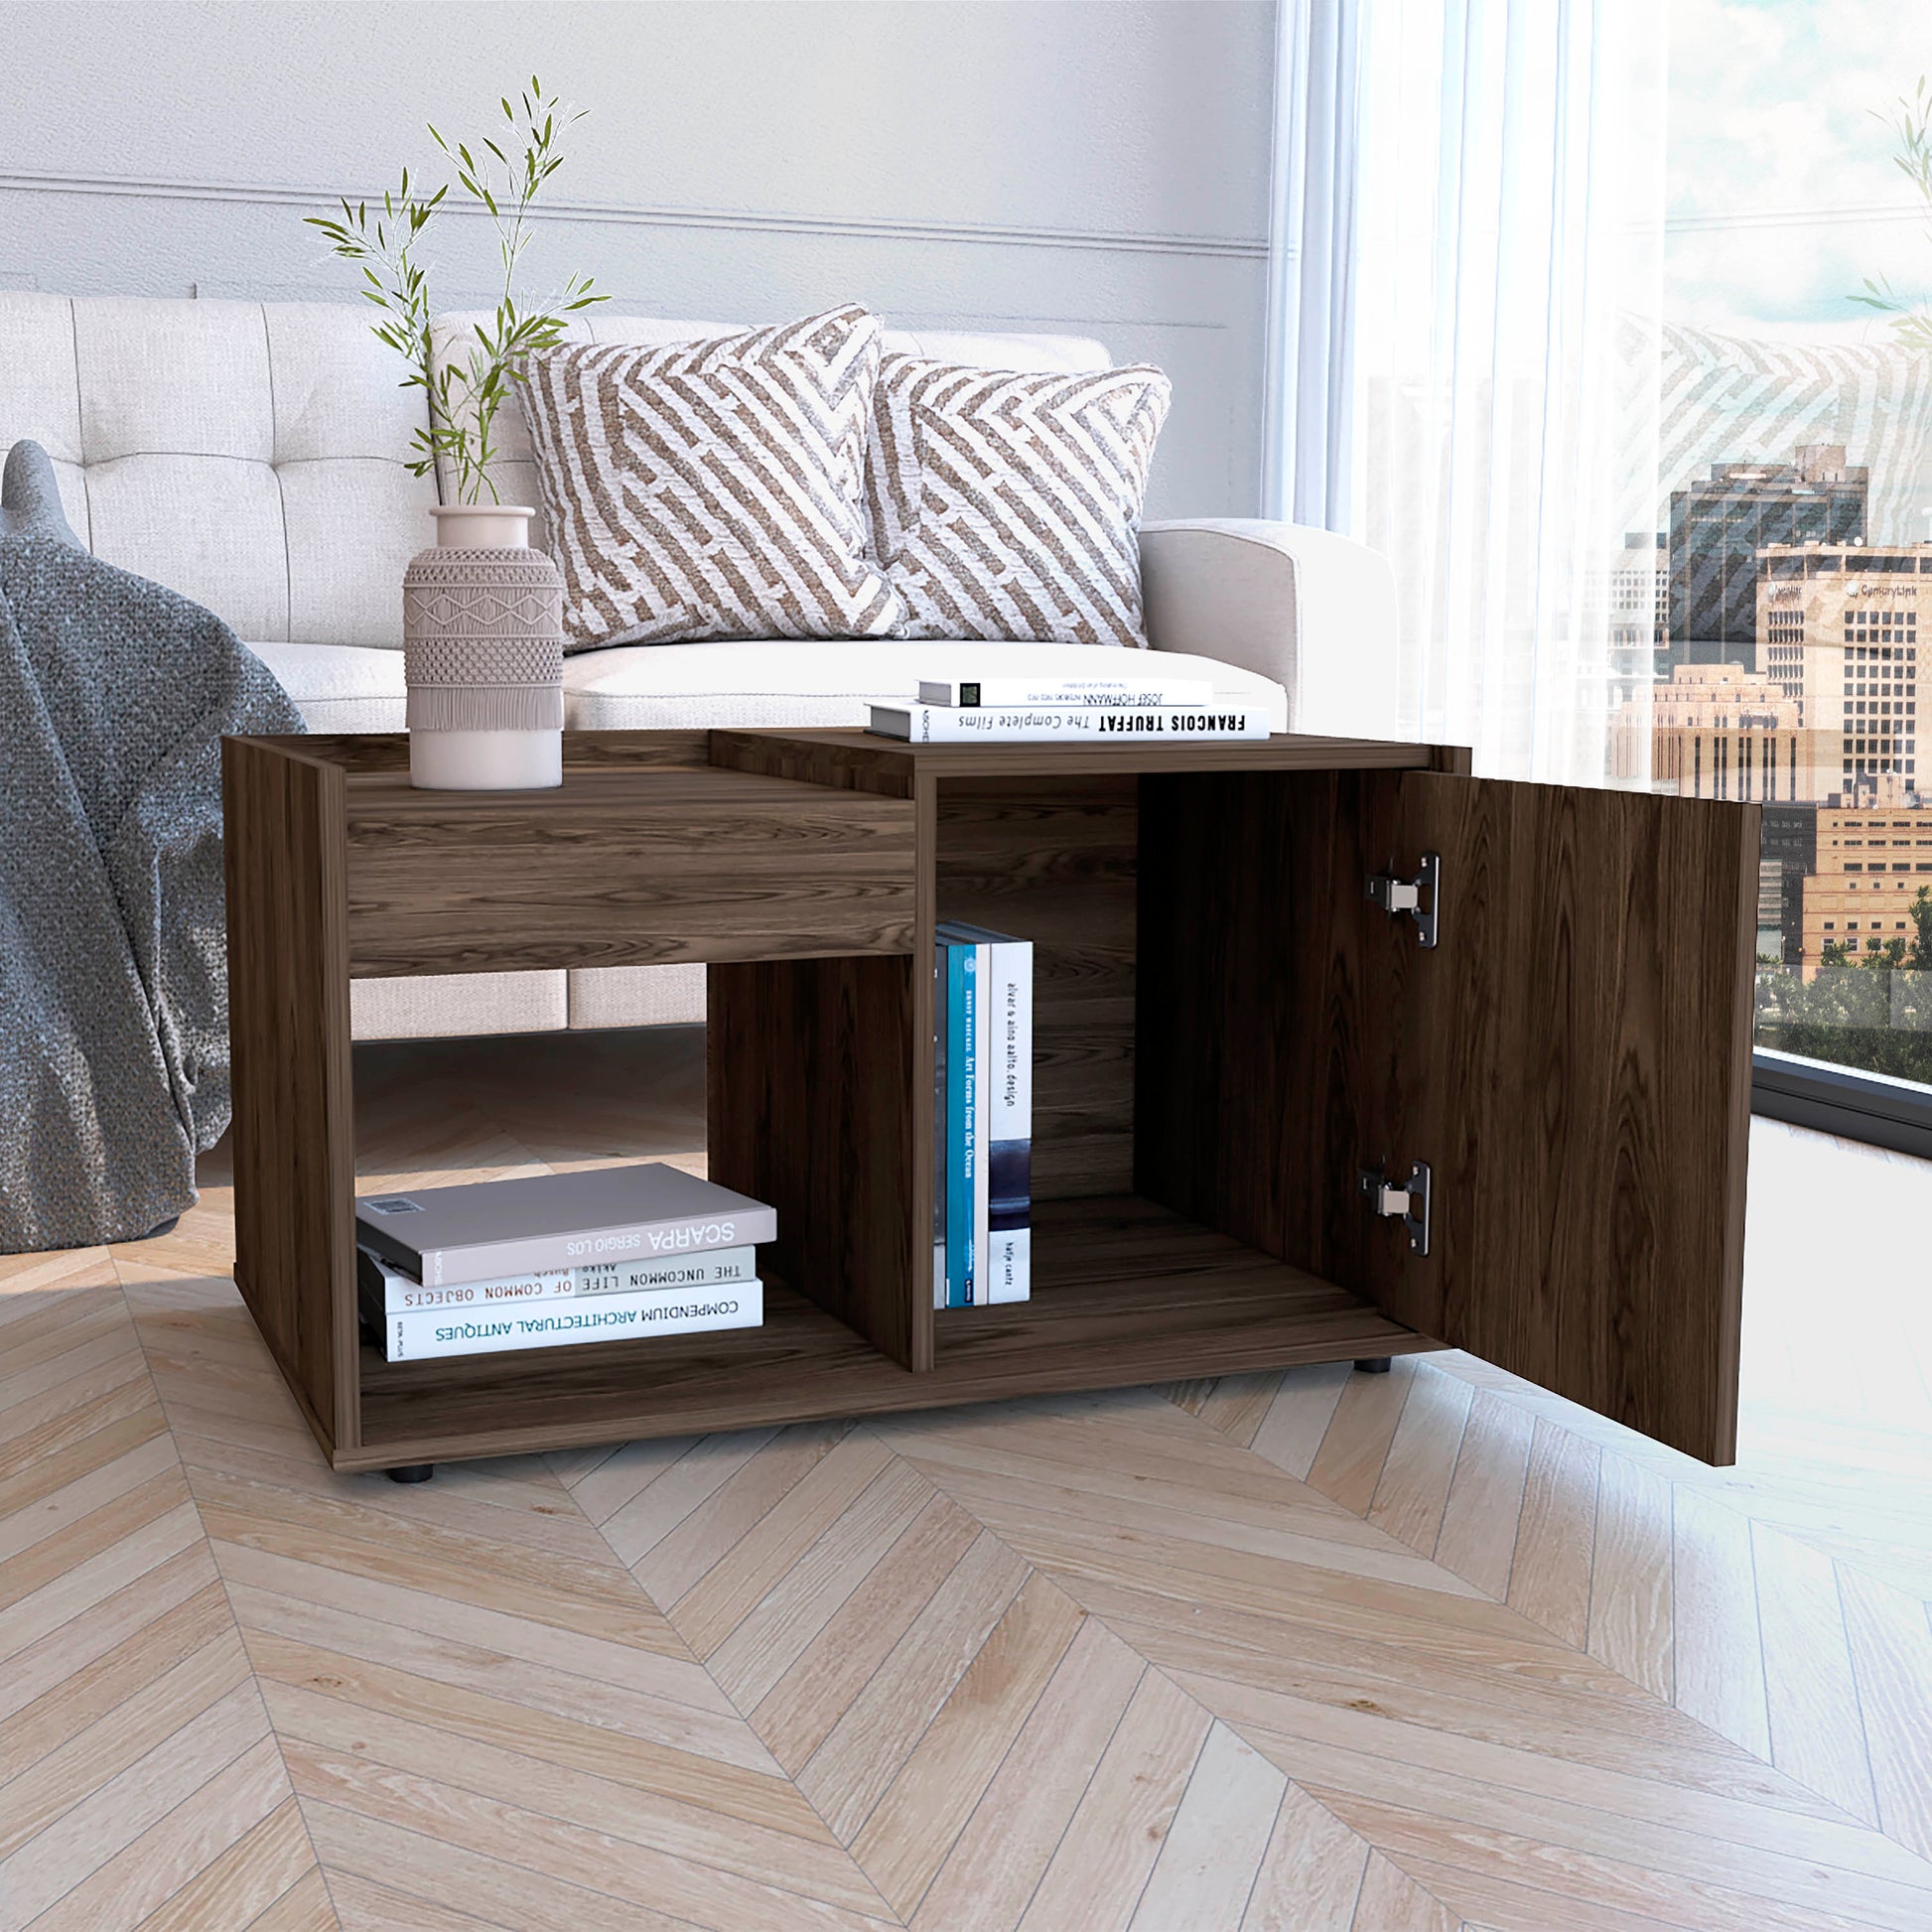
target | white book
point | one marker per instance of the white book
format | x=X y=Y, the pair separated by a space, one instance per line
x=427 y=1335
x=398 y=1292
x=998 y=692
x=931 y=723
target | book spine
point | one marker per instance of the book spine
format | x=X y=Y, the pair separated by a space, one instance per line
x=1009 y=1124
x=640 y=1242
x=983 y=1088
x=942 y=1121
x=565 y=1322
x=961 y=1017
x=1076 y=724
x=995 y=692
x=401 y=1294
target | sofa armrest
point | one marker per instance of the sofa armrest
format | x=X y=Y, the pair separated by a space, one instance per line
x=1314 y=611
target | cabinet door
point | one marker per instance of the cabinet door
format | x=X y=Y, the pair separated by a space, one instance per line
x=1575 y=1066
x=1572 y=1060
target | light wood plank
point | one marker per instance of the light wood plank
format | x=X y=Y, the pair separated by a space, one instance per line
x=307 y=1907
x=1392 y=1901
x=1631 y=1606
x=1477 y=1540
x=1549 y=1573
x=246 y=1878
x=1811 y=1700
x=1214 y=1849
x=1891 y=1652
x=799 y=1712
x=1348 y=1464
x=1312 y=1872
x=1290 y=1434
x=1095 y=1877
x=908 y=1831
x=997 y=1861
x=776 y=1633
x=1719 y=1655
x=849 y=1774
x=1412 y=1491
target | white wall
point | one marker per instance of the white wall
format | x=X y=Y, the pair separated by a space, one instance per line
x=1096 y=168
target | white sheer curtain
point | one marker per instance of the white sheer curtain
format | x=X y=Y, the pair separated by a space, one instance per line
x=1484 y=372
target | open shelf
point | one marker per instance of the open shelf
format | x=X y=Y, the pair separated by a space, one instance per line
x=1125 y=1292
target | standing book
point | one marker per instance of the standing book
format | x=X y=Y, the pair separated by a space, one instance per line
x=647 y=1211
x=963 y=1180
x=1004 y=1059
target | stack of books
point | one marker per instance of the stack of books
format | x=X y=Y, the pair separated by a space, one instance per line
x=983 y=1100
x=1075 y=711
x=608 y=1254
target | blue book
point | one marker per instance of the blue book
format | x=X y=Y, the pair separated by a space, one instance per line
x=962 y=1123
x=1002 y=1220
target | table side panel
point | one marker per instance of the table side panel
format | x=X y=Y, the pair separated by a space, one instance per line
x=815 y=1088
x=288 y=1024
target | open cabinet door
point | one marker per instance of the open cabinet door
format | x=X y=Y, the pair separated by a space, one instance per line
x=1575 y=1067
x=1572 y=1060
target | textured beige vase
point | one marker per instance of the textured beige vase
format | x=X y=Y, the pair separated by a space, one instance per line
x=483 y=655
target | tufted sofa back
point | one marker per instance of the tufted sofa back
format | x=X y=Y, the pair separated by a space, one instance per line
x=252 y=454
x=249 y=455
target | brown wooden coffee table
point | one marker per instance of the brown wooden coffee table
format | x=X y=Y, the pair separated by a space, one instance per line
x=1227 y=1029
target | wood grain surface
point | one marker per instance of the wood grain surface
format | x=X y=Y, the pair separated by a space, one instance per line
x=813 y=1080
x=1572 y=1060
x=1124 y=1291
x=1053 y=860
x=621 y=866
x=288 y=1028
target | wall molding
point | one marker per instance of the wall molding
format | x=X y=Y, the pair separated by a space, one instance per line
x=760 y=221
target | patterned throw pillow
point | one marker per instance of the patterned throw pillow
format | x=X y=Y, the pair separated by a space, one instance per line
x=712 y=488
x=1008 y=506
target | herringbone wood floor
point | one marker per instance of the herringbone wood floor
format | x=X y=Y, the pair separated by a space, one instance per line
x=1307 y=1651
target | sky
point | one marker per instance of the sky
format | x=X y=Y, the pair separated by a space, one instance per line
x=1782 y=192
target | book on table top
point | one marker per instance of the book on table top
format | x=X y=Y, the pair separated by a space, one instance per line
x=646 y=1211
x=425 y=1335
x=998 y=692
x=401 y=1294
x=934 y=723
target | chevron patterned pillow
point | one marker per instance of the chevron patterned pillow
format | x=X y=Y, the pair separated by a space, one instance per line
x=712 y=488
x=1006 y=505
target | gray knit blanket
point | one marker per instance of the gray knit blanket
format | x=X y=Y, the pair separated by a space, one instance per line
x=114 y=695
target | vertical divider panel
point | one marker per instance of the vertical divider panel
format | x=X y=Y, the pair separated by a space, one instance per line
x=294 y=1106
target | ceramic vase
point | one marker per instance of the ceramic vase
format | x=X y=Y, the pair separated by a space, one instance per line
x=483 y=655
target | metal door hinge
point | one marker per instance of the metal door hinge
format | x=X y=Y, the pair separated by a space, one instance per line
x=1396 y=896
x=1405 y=1201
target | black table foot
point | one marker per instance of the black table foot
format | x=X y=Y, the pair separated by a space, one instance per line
x=422 y=1471
x=1369 y=1365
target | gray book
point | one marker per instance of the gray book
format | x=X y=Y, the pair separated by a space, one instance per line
x=649 y=1212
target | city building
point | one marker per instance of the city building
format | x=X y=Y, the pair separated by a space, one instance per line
x=1837 y=633
x=1718 y=731
x=1719 y=526
x=1639 y=612
x=1870 y=865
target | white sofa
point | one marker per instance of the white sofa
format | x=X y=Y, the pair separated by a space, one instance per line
x=252 y=457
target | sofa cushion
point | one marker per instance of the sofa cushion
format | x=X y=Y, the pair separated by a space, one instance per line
x=802 y=682
x=512 y=472
x=711 y=489
x=1004 y=503
x=339 y=687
